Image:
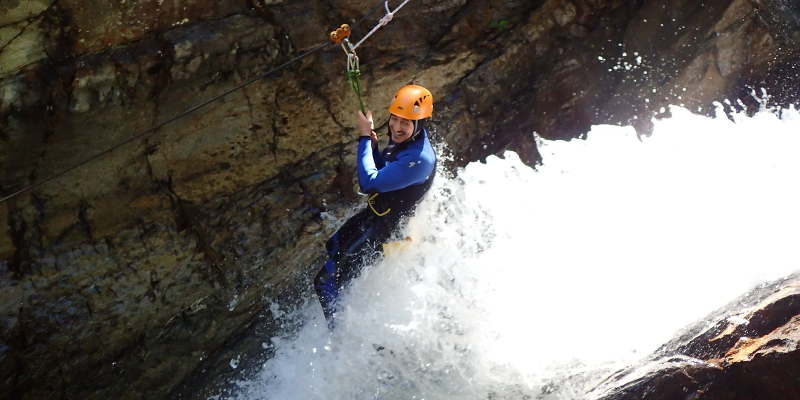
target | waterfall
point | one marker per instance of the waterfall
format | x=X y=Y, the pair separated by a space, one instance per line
x=531 y=283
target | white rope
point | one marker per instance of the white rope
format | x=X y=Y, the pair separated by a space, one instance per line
x=350 y=49
x=383 y=21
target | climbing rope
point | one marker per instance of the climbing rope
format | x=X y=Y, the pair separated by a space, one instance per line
x=152 y=131
x=341 y=36
x=383 y=21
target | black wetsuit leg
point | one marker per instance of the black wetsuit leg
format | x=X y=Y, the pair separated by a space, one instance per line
x=358 y=242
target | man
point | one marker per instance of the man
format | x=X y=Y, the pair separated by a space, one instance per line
x=395 y=179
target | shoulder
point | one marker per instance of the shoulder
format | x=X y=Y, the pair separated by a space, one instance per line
x=426 y=151
x=419 y=154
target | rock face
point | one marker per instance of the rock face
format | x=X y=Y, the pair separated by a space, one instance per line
x=751 y=352
x=119 y=277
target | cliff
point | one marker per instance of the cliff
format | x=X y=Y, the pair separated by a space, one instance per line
x=120 y=277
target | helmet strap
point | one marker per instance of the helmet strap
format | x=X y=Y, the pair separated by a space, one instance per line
x=419 y=126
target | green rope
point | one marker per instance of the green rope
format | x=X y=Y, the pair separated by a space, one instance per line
x=354 y=78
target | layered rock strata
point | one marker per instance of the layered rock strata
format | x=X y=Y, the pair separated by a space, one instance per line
x=118 y=278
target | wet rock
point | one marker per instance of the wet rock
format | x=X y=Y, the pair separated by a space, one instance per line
x=6 y=365
x=13 y=11
x=22 y=45
x=124 y=269
x=751 y=351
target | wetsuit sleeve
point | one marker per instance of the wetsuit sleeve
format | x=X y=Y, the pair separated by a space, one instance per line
x=411 y=168
x=378 y=157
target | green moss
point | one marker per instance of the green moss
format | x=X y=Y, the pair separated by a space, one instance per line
x=12 y=11
x=21 y=44
x=500 y=25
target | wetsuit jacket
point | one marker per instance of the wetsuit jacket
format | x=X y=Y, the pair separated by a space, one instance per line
x=397 y=177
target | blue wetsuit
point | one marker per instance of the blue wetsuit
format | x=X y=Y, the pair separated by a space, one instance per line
x=395 y=179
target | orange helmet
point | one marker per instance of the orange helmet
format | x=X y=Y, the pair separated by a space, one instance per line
x=412 y=102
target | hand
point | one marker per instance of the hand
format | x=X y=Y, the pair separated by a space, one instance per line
x=365 y=125
x=374 y=137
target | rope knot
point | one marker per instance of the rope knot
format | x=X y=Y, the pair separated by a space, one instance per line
x=386 y=19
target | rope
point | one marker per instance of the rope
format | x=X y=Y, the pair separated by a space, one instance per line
x=152 y=131
x=341 y=36
x=383 y=21
x=355 y=83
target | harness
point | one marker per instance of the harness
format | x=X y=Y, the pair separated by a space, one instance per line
x=398 y=203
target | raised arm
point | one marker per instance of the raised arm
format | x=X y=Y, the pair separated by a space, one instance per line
x=411 y=168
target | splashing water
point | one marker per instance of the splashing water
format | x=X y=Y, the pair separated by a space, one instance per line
x=528 y=284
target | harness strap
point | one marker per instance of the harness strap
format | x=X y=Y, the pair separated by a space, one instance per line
x=371 y=203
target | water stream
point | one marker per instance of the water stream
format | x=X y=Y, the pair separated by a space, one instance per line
x=522 y=283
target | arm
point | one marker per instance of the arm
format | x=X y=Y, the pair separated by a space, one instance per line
x=377 y=156
x=411 y=168
x=365 y=128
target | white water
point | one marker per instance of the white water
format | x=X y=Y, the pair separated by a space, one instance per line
x=523 y=282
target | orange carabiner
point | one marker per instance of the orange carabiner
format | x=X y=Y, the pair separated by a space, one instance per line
x=340 y=34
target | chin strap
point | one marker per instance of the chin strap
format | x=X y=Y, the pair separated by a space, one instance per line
x=417 y=130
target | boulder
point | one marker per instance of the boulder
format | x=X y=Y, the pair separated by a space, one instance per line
x=748 y=350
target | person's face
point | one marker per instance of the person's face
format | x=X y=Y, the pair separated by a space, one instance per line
x=401 y=128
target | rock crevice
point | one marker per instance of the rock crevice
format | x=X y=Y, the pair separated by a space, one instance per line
x=167 y=248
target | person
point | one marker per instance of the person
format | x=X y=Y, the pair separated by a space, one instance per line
x=394 y=179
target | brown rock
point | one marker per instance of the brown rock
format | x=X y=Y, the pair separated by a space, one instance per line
x=122 y=271
x=751 y=352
